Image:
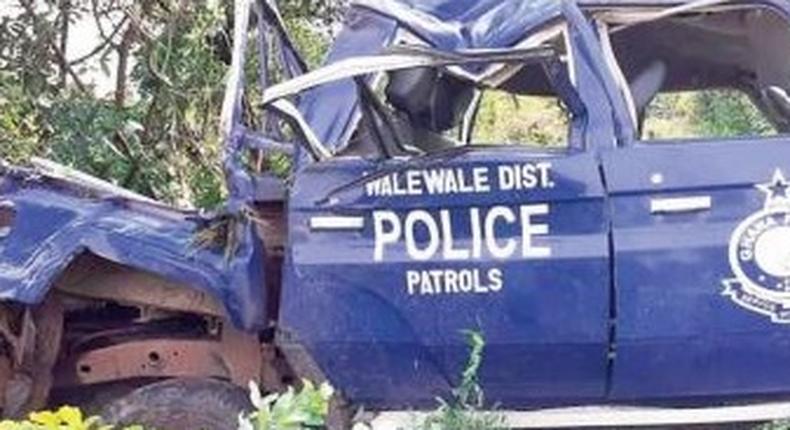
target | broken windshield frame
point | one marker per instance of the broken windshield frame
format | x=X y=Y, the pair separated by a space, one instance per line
x=668 y=12
x=407 y=57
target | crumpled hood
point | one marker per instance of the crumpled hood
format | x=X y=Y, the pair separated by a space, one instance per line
x=55 y=220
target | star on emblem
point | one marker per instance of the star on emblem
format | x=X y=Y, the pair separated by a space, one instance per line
x=776 y=191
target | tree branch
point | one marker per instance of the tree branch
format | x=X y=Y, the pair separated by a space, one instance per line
x=61 y=57
x=124 y=50
x=97 y=14
x=106 y=42
x=65 y=9
x=69 y=70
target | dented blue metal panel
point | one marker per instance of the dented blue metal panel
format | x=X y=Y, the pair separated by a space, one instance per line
x=686 y=325
x=381 y=306
x=55 y=221
x=467 y=24
x=606 y=300
x=364 y=33
x=390 y=336
x=372 y=26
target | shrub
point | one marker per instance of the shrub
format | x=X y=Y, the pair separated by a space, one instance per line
x=65 y=418
x=465 y=410
x=291 y=410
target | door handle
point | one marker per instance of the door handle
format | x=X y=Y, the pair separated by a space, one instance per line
x=669 y=205
x=336 y=222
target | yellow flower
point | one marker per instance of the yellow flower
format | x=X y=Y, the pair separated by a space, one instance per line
x=48 y=419
x=72 y=417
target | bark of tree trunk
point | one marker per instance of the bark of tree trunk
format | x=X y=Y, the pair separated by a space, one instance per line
x=65 y=11
x=121 y=78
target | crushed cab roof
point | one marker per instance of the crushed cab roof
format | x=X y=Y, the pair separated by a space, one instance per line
x=466 y=24
x=476 y=24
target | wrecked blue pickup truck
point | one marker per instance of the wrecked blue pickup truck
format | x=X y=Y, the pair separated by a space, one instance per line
x=623 y=264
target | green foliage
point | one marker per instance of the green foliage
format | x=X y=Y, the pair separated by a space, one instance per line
x=159 y=132
x=776 y=425
x=313 y=44
x=507 y=118
x=180 y=89
x=25 y=53
x=708 y=113
x=65 y=418
x=465 y=410
x=729 y=113
x=291 y=410
x=97 y=136
x=19 y=121
x=309 y=407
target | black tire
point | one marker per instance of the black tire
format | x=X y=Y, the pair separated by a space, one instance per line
x=180 y=404
x=92 y=400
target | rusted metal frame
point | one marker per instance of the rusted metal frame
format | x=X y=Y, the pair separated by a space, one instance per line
x=235 y=356
x=269 y=218
x=33 y=348
x=231 y=354
x=95 y=278
x=48 y=319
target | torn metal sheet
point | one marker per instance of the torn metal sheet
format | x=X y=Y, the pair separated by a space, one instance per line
x=55 y=219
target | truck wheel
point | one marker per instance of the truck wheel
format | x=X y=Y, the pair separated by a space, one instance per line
x=182 y=403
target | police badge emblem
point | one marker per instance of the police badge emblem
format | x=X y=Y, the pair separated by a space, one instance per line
x=759 y=255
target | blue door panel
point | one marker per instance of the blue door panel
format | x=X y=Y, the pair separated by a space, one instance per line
x=720 y=366
x=678 y=334
x=546 y=328
x=697 y=164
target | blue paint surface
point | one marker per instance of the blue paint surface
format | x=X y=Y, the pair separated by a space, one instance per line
x=550 y=321
x=627 y=308
x=677 y=335
x=547 y=331
x=56 y=221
